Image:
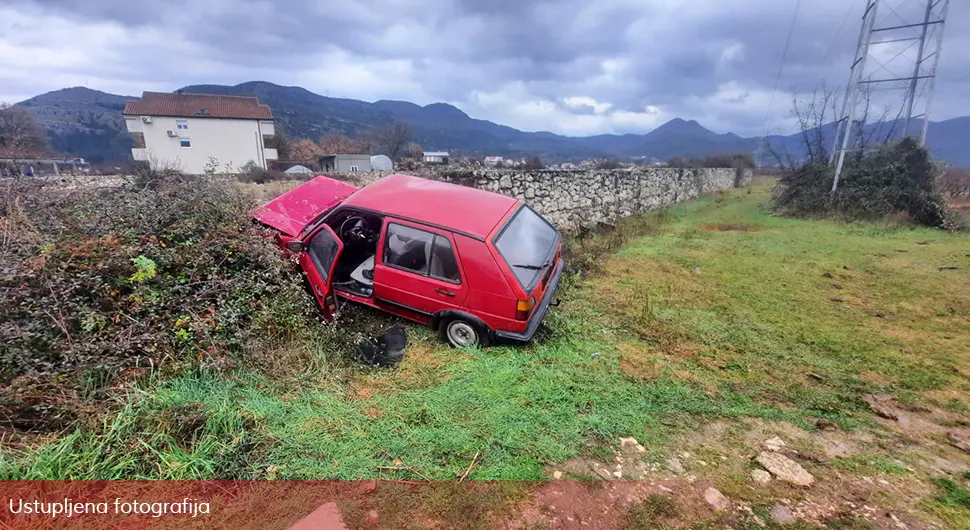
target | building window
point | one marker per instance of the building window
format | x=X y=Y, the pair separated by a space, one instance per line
x=353 y=169
x=182 y=124
x=185 y=142
x=137 y=140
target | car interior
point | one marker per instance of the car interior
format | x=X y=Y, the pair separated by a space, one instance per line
x=407 y=248
x=359 y=232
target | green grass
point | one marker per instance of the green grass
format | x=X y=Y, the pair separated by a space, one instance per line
x=722 y=311
x=650 y=513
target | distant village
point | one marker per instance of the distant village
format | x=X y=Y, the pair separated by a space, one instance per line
x=204 y=134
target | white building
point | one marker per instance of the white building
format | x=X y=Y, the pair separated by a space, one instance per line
x=193 y=131
x=436 y=157
x=492 y=161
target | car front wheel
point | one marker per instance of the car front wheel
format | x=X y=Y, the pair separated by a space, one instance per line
x=460 y=333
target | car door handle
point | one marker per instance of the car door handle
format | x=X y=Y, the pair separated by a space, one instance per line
x=319 y=290
x=444 y=292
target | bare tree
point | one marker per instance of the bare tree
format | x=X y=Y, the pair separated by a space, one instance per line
x=306 y=152
x=392 y=139
x=815 y=114
x=20 y=134
x=338 y=144
x=415 y=150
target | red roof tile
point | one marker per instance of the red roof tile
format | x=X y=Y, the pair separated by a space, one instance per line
x=191 y=105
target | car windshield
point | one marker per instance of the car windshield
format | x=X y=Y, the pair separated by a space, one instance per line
x=526 y=243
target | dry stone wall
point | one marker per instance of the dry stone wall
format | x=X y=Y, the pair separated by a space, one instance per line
x=570 y=199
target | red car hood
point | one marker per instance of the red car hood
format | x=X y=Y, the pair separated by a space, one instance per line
x=291 y=212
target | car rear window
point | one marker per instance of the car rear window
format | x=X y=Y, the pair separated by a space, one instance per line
x=527 y=243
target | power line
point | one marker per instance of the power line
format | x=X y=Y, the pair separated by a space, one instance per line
x=781 y=67
x=838 y=33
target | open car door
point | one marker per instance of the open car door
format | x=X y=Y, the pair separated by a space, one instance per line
x=318 y=259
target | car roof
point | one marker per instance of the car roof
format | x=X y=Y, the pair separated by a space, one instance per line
x=459 y=208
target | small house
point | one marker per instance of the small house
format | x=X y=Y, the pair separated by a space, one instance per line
x=345 y=163
x=436 y=157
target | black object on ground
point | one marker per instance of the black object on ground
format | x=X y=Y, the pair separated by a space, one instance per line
x=386 y=350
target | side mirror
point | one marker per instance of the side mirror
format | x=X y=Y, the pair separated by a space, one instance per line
x=294 y=246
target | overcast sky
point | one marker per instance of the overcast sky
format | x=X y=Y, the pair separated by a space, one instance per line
x=571 y=67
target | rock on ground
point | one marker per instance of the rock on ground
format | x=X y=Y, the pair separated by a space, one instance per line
x=785 y=468
x=716 y=499
x=631 y=444
x=760 y=476
x=675 y=466
x=782 y=514
x=774 y=444
x=882 y=405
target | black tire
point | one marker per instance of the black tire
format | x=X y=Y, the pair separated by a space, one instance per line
x=459 y=332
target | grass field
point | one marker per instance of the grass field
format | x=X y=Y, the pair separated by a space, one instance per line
x=714 y=310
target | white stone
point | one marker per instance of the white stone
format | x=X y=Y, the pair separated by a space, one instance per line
x=782 y=514
x=716 y=499
x=774 y=444
x=675 y=466
x=760 y=476
x=785 y=468
x=631 y=443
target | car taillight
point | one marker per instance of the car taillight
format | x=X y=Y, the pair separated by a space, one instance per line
x=523 y=308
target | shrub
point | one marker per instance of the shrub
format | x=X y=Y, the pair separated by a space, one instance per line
x=897 y=178
x=533 y=163
x=254 y=174
x=608 y=163
x=955 y=182
x=101 y=283
x=738 y=161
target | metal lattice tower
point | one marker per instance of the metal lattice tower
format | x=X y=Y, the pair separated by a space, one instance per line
x=900 y=45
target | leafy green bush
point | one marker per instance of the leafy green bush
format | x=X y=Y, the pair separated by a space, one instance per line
x=103 y=284
x=897 y=178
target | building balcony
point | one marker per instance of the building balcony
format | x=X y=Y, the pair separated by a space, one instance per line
x=139 y=154
x=270 y=154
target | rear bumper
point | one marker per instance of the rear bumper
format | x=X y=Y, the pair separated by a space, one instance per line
x=539 y=313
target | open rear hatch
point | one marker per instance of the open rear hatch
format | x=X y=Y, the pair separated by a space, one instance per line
x=291 y=212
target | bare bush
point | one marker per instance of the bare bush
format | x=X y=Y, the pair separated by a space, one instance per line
x=608 y=163
x=306 y=152
x=955 y=182
x=415 y=150
x=20 y=134
x=736 y=161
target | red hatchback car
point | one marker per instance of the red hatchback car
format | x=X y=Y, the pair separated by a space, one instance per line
x=475 y=265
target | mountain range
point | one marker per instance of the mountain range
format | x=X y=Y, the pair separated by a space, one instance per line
x=84 y=122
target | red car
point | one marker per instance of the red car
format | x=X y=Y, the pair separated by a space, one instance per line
x=475 y=265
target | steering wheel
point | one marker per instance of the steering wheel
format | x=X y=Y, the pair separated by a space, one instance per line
x=354 y=228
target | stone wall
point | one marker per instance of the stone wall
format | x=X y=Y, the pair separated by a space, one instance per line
x=570 y=199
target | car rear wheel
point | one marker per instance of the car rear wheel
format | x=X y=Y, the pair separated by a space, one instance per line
x=460 y=333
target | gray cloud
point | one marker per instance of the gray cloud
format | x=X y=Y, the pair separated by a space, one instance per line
x=636 y=62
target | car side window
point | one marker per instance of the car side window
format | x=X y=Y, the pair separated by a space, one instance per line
x=322 y=249
x=444 y=266
x=408 y=248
